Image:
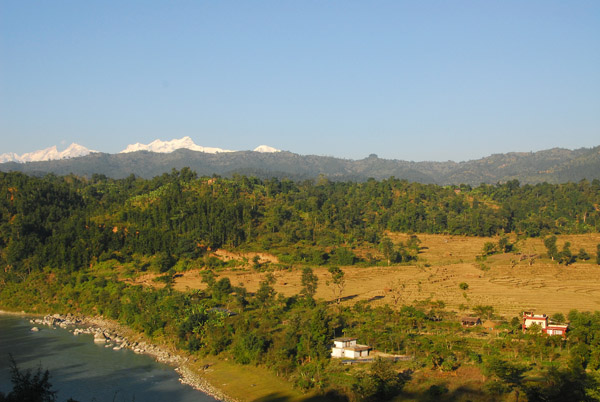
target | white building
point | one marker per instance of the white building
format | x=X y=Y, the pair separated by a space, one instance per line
x=348 y=348
x=547 y=326
x=540 y=319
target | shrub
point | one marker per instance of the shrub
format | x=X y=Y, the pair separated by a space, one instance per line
x=248 y=347
x=583 y=255
x=489 y=248
x=382 y=382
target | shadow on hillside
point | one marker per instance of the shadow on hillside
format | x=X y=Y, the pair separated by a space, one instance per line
x=349 y=297
x=331 y=396
x=342 y=299
x=434 y=395
x=463 y=393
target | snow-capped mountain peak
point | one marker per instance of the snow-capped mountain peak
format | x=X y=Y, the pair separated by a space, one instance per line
x=74 y=150
x=8 y=157
x=170 y=146
x=266 y=149
x=52 y=153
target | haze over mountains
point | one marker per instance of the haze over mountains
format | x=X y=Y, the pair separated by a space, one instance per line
x=555 y=165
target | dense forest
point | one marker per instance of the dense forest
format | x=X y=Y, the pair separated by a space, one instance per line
x=68 y=222
x=53 y=229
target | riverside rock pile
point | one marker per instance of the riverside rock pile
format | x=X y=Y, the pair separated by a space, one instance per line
x=189 y=377
x=107 y=333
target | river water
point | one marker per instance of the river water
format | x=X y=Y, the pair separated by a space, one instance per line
x=88 y=372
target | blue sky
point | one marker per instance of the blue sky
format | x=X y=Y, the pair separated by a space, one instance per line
x=412 y=80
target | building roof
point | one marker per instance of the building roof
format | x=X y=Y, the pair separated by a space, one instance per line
x=490 y=324
x=359 y=348
x=530 y=315
x=345 y=339
x=470 y=319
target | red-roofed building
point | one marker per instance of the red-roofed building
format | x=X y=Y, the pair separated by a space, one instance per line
x=548 y=327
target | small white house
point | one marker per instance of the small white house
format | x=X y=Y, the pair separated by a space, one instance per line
x=548 y=327
x=348 y=348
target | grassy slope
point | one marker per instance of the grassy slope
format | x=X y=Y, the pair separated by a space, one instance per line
x=246 y=383
x=510 y=285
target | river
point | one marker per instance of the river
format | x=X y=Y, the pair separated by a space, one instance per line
x=88 y=372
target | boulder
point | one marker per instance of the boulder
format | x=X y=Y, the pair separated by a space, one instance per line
x=99 y=337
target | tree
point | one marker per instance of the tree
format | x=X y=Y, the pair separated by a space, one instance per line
x=414 y=243
x=343 y=256
x=315 y=335
x=164 y=262
x=489 y=248
x=209 y=277
x=487 y=311
x=507 y=376
x=309 y=283
x=550 y=243
x=463 y=285
x=558 y=317
x=248 y=346
x=256 y=262
x=221 y=289
x=565 y=256
x=396 y=290
x=387 y=248
x=266 y=293
x=568 y=384
x=337 y=283
x=504 y=244
x=382 y=382
x=28 y=386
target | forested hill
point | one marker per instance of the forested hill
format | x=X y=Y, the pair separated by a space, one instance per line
x=70 y=245
x=551 y=166
x=67 y=222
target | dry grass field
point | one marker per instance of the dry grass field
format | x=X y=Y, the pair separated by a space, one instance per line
x=514 y=282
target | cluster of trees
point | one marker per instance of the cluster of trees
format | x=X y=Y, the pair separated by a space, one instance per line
x=502 y=246
x=70 y=222
x=565 y=256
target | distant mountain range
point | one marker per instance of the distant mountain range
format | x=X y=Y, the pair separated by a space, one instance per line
x=555 y=165
x=52 y=153
x=76 y=150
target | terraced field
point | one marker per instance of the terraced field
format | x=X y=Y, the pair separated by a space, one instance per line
x=511 y=283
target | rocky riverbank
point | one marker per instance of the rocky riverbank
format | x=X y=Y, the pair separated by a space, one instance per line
x=117 y=337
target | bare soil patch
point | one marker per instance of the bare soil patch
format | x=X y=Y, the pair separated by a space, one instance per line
x=262 y=257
